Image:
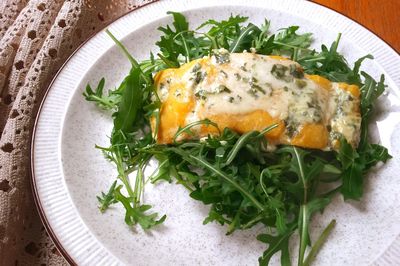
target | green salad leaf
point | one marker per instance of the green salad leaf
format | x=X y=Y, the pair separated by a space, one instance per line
x=130 y=104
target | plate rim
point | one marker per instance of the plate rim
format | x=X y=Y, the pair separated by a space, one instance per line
x=32 y=179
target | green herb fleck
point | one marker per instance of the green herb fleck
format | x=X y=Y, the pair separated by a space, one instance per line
x=281 y=72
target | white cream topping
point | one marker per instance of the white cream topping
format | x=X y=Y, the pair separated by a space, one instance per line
x=344 y=120
x=248 y=83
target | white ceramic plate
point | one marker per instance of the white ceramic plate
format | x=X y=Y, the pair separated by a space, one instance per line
x=68 y=172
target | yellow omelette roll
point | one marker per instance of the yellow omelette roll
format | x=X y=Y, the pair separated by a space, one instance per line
x=247 y=91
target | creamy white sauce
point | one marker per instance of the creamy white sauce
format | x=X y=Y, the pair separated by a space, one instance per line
x=344 y=121
x=252 y=86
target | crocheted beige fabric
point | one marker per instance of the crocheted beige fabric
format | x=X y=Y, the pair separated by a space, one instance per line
x=36 y=37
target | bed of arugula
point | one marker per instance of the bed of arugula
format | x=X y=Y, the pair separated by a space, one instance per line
x=242 y=183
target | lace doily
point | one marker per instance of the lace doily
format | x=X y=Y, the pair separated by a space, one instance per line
x=36 y=37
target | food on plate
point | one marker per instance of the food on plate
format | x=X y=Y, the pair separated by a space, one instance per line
x=247 y=91
x=253 y=124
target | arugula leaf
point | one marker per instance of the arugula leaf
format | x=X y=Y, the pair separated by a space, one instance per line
x=137 y=214
x=280 y=222
x=355 y=163
x=374 y=154
x=163 y=171
x=305 y=171
x=288 y=37
x=306 y=212
x=370 y=91
x=275 y=244
x=108 y=199
x=130 y=104
x=229 y=180
x=180 y=22
x=331 y=64
x=346 y=154
x=352 y=165
x=285 y=42
x=108 y=102
x=263 y=43
x=352 y=187
x=309 y=202
x=354 y=76
x=245 y=38
x=171 y=46
x=318 y=244
x=224 y=27
x=223 y=33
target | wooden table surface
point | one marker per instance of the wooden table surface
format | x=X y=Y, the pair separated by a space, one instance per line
x=380 y=16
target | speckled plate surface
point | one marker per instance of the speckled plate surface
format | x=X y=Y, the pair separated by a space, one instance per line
x=68 y=172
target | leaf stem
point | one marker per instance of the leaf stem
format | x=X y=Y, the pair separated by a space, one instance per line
x=303 y=233
x=193 y=124
x=134 y=63
x=302 y=175
x=238 y=145
x=318 y=244
x=243 y=141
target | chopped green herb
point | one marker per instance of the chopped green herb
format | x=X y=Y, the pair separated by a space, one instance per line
x=201 y=94
x=257 y=87
x=237 y=76
x=224 y=73
x=301 y=83
x=196 y=67
x=200 y=76
x=252 y=92
x=281 y=72
x=223 y=88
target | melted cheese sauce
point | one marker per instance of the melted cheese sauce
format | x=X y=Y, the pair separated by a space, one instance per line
x=246 y=91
